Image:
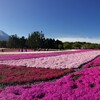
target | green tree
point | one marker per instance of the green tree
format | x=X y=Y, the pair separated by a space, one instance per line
x=3 y=44
x=13 y=42
x=67 y=45
x=58 y=44
x=35 y=40
x=76 y=45
x=22 y=42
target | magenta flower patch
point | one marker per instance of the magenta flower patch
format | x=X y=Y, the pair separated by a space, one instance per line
x=85 y=86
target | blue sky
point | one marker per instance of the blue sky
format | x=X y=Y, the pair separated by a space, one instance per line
x=62 y=19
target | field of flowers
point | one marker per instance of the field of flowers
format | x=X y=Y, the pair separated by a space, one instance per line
x=61 y=75
x=19 y=75
x=55 y=60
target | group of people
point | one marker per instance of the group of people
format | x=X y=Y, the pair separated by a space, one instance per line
x=21 y=50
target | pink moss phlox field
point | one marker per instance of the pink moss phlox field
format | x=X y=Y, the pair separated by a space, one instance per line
x=73 y=60
x=81 y=85
x=36 y=55
x=20 y=75
x=94 y=63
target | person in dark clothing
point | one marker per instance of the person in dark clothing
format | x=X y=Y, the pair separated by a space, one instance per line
x=2 y=50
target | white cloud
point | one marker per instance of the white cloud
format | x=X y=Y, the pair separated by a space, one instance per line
x=81 y=39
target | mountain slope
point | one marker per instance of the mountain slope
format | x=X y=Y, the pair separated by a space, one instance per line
x=3 y=36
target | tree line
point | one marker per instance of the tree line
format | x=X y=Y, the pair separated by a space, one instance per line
x=37 y=41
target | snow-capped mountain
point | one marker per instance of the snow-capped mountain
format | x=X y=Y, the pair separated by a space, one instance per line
x=3 y=36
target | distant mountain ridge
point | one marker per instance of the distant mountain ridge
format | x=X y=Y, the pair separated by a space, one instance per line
x=3 y=36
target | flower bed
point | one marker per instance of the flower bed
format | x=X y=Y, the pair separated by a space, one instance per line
x=94 y=63
x=55 y=62
x=5 y=56
x=82 y=85
x=18 y=75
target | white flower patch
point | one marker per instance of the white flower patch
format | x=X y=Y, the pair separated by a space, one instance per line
x=55 y=62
